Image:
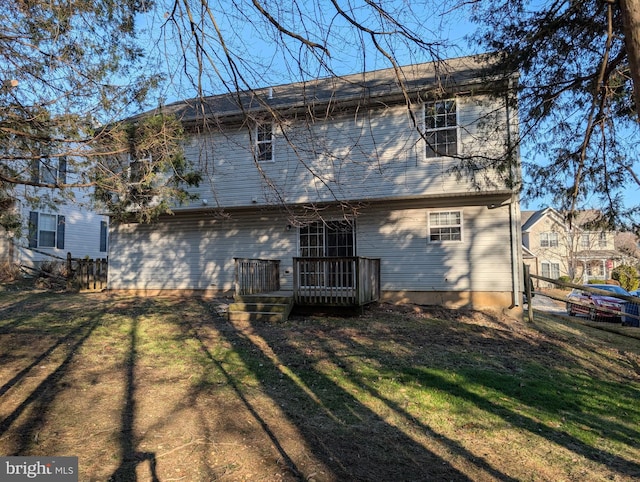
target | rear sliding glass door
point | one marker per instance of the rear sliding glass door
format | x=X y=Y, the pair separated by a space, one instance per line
x=329 y=239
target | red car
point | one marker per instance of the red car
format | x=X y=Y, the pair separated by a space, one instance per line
x=595 y=305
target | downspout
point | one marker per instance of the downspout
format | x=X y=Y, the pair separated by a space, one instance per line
x=514 y=208
x=516 y=243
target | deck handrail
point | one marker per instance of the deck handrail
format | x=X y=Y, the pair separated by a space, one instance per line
x=254 y=275
x=336 y=280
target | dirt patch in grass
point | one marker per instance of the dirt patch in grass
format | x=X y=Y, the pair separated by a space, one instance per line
x=167 y=389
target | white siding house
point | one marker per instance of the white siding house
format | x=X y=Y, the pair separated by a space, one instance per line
x=55 y=225
x=346 y=167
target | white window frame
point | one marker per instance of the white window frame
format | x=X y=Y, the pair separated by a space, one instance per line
x=264 y=140
x=437 y=124
x=602 y=239
x=585 y=241
x=431 y=227
x=549 y=239
x=103 y=241
x=552 y=269
x=36 y=231
x=50 y=170
x=41 y=217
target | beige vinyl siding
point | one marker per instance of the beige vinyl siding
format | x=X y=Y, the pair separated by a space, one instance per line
x=196 y=251
x=373 y=154
x=551 y=254
x=480 y=262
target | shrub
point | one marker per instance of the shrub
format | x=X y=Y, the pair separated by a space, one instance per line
x=8 y=271
x=627 y=276
x=565 y=279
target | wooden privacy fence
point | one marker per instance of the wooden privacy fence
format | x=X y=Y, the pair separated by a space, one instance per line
x=86 y=273
x=255 y=276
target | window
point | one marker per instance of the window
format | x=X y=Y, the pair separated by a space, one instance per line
x=549 y=240
x=327 y=239
x=103 y=236
x=139 y=170
x=441 y=128
x=46 y=230
x=49 y=171
x=264 y=141
x=594 y=270
x=445 y=226
x=330 y=238
x=584 y=241
x=550 y=270
x=602 y=240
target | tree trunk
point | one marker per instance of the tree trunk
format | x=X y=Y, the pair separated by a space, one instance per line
x=630 y=10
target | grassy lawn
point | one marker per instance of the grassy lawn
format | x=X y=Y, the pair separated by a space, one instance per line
x=165 y=389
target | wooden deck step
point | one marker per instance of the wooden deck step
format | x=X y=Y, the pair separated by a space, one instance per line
x=270 y=307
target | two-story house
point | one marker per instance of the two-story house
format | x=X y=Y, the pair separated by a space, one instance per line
x=54 y=224
x=368 y=166
x=578 y=250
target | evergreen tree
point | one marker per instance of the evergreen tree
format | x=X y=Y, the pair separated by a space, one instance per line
x=579 y=121
x=69 y=71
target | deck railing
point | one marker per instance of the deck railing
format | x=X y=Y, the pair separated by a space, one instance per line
x=255 y=276
x=336 y=281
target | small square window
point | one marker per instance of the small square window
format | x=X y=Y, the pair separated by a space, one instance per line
x=445 y=226
x=550 y=270
x=549 y=240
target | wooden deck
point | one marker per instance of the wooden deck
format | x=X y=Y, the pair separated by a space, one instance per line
x=324 y=281
x=336 y=281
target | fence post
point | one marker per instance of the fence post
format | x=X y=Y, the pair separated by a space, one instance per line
x=69 y=271
x=527 y=290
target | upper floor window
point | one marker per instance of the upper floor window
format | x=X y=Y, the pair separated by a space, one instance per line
x=441 y=128
x=549 y=240
x=445 y=226
x=264 y=141
x=49 y=170
x=139 y=170
x=46 y=230
x=602 y=240
x=584 y=241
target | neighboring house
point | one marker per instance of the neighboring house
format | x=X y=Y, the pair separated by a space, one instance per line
x=54 y=225
x=343 y=167
x=577 y=250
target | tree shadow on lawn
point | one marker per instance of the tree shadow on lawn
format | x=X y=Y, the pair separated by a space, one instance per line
x=350 y=439
x=507 y=377
x=37 y=403
x=50 y=317
x=336 y=437
x=130 y=458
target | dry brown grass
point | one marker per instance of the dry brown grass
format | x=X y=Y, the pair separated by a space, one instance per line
x=166 y=389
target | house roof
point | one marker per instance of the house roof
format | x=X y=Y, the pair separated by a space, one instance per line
x=597 y=254
x=530 y=218
x=426 y=80
x=527 y=253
